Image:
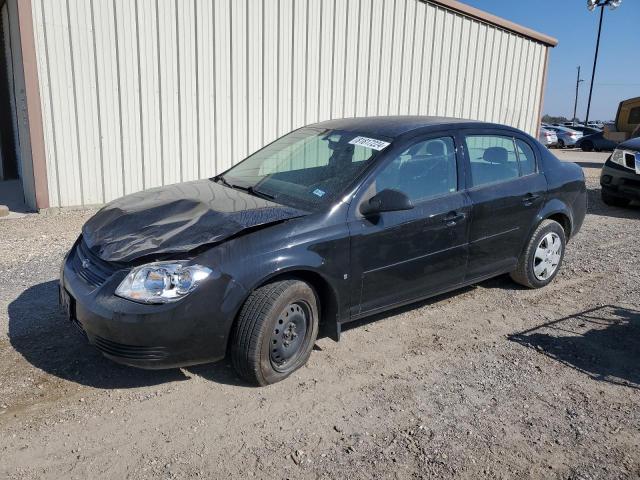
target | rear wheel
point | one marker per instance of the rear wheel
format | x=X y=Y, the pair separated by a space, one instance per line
x=542 y=257
x=614 y=201
x=560 y=143
x=587 y=146
x=275 y=331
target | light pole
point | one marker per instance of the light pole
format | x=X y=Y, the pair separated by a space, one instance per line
x=575 y=104
x=591 y=5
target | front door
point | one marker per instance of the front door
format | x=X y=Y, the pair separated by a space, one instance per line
x=402 y=256
x=507 y=191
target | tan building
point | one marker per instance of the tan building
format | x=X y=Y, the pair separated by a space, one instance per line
x=101 y=98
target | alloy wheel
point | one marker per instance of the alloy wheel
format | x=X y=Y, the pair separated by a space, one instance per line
x=547 y=256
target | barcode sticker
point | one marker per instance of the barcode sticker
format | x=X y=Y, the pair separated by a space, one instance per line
x=369 y=143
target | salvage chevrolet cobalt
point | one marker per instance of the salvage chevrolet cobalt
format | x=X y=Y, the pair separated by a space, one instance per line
x=328 y=224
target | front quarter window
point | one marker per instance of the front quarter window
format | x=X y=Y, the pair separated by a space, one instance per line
x=307 y=168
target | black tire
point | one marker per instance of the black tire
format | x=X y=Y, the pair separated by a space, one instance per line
x=587 y=146
x=560 y=143
x=524 y=273
x=278 y=320
x=614 y=201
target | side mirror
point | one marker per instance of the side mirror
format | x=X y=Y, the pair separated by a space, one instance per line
x=385 y=201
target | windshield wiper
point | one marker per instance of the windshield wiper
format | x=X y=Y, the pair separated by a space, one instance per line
x=257 y=193
x=250 y=190
x=220 y=178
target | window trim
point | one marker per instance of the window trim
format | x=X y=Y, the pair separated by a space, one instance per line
x=535 y=158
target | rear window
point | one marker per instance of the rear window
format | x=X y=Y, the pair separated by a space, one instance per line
x=496 y=158
x=634 y=115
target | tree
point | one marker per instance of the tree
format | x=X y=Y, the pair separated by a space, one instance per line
x=550 y=119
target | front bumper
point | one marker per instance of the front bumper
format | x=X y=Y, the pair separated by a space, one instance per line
x=620 y=181
x=191 y=331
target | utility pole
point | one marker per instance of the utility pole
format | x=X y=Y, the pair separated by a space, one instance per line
x=575 y=104
x=591 y=6
x=595 y=61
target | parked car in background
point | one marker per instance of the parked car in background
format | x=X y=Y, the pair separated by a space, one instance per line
x=330 y=223
x=595 y=142
x=620 y=176
x=586 y=130
x=547 y=137
x=567 y=137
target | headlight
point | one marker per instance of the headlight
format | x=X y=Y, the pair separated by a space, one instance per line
x=162 y=282
x=618 y=157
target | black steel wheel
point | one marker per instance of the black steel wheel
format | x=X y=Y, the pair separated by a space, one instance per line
x=275 y=331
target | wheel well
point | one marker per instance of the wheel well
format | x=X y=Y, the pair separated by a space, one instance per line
x=327 y=297
x=564 y=221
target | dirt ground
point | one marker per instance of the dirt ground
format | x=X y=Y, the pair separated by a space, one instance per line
x=493 y=381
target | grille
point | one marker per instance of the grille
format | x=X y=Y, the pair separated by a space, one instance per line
x=630 y=160
x=92 y=269
x=132 y=352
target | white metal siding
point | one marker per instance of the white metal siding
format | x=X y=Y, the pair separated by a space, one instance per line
x=137 y=94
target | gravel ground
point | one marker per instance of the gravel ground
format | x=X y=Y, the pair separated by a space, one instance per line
x=493 y=381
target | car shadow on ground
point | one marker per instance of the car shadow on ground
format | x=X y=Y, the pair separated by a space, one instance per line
x=597 y=165
x=596 y=206
x=602 y=342
x=405 y=308
x=40 y=332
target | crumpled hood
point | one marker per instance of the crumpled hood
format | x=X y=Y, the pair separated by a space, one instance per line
x=177 y=218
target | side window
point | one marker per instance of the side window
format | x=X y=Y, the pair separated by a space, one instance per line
x=493 y=159
x=526 y=157
x=426 y=169
x=634 y=115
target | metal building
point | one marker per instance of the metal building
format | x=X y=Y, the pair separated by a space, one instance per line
x=109 y=97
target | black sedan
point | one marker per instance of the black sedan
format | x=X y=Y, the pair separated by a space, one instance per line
x=595 y=141
x=330 y=223
x=620 y=176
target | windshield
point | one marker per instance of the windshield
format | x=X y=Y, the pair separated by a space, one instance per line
x=307 y=168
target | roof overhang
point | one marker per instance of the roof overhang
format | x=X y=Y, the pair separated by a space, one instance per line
x=497 y=21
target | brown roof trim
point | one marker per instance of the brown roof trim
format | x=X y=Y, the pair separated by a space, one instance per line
x=34 y=107
x=542 y=89
x=497 y=21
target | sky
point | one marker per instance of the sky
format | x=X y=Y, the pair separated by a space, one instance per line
x=575 y=28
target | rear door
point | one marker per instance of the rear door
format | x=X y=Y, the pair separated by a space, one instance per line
x=506 y=190
x=400 y=256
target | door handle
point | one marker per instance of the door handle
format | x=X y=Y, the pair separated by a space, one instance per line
x=529 y=198
x=452 y=218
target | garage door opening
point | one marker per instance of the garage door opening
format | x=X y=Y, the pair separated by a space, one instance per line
x=11 y=175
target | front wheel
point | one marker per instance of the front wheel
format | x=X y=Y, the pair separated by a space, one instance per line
x=275 y=331
x=539 y=263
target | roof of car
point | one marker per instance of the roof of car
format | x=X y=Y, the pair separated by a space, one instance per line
x=394 y=126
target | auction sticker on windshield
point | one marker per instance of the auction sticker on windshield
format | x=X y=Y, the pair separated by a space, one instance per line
x=638 y=163
x=369 y=143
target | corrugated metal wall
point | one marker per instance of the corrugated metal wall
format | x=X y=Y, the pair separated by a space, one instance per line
x=140 y=93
